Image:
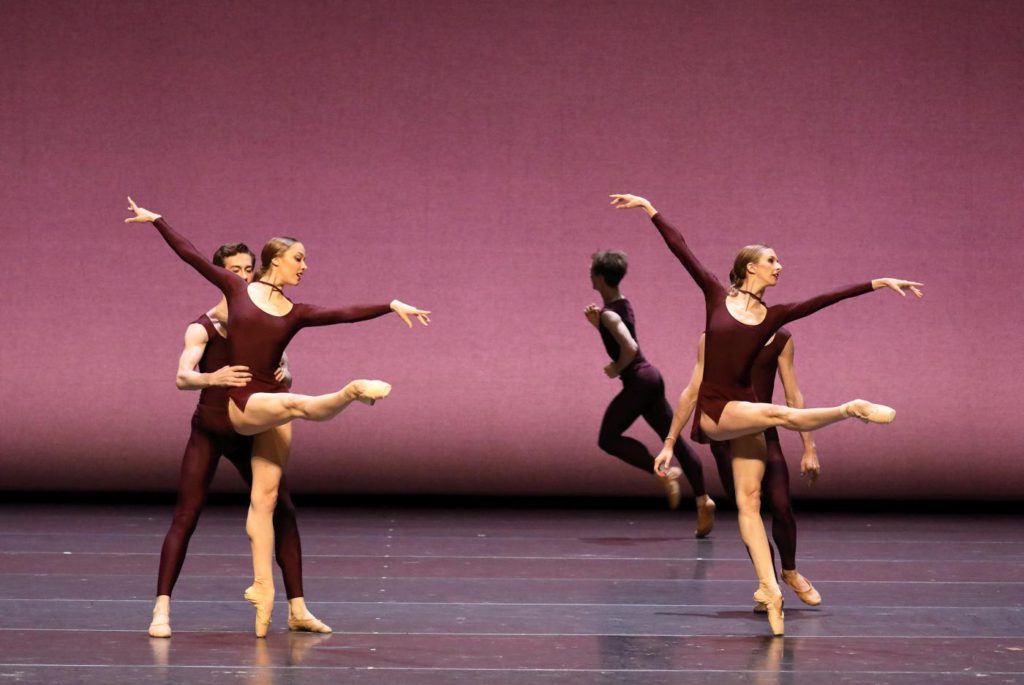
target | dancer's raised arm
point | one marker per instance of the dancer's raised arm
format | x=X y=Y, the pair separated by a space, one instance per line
x=219 y=276
x=674 y=239
x=794 y=311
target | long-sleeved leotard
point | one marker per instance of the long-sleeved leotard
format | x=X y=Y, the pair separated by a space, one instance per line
x=775 y=484
x=643 y=394
x=257 y=339
x=731 y=347
x=212 y=437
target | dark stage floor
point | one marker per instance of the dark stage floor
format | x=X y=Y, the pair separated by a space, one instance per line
x=503 y=596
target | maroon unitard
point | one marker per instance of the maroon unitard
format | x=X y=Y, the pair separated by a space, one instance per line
x=775 y=484
x=256 y=338
x=643 y=394
x=213 y=437
x=731 y=347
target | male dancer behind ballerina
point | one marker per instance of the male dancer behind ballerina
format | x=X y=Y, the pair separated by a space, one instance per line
x=775 y=357
x=212 y=437
x=643 y=390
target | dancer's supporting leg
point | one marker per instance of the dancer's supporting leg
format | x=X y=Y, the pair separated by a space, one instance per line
x=748 y=465
x=269 y=456
x=287 y=549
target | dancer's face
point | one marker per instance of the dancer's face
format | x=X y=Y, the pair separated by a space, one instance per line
x=240 y=264
x=290 y=266
x=767 y=268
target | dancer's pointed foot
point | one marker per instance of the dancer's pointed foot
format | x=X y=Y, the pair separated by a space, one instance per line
x=308 y=623
x=868 y=412
x=161 y=624
x=262 y=598
x=802 y=587
x=670 y=481
x=773 y=604
x=367 y=391
x=705 y=517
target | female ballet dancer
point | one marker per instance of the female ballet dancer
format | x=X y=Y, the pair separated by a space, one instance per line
x=211 y=438
x=776 y=356
x=643 y=390
x=261 y=323
x=737 y=325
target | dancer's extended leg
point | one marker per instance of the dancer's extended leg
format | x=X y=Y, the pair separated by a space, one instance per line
x=269 y=455
x=267 y=410
x=748 y=464
x=747 y=418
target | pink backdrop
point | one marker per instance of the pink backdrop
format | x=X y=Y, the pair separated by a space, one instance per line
x=457 y=155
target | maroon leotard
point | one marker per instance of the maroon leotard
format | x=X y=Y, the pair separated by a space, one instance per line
x=731 y=347
x=624 y=309
x=212 y=411
x=255 y=338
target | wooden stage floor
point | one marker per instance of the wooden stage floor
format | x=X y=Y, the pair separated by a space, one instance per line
x=434 y=596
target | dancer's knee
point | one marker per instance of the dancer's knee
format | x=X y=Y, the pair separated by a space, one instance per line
x=264 y=499
x=606 y=440
x=782 y=416
x=748 y=500
x=185 y=519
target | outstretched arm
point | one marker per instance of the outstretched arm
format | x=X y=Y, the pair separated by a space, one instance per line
x=188 y=378
x=792 y=312
x=674 y=239
x=222 y=278
x=809 y=465
x=310 y=315
x=627 y=345
x=684 y=409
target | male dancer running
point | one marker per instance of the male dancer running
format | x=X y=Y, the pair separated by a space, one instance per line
x=643 y=391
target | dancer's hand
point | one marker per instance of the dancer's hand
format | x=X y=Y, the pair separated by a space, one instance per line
x=663 y=461
x=406 y=311
x=141 y=215
x=809 y=466
x=231 y=377
x=593 y=314
x=626 y=201
x=898 y=285
x=611 y=370
x=280 y=374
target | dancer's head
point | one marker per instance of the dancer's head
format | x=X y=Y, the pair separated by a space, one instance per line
x=236 y=258
x=608 y=268
x=282 y=261
x=756 y=267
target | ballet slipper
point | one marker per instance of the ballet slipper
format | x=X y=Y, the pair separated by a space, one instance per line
x=802 y=587
x=868 y=412
x=309 y=624
x=161 y=625
x=263 y=599
x=368 y=392
x=773 y=605
x=670 y=481
x=705 y=518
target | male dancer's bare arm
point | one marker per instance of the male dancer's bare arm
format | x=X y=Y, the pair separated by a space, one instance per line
x=627 y=345
x=189 y=379
x=684 y=409
x=809 y=465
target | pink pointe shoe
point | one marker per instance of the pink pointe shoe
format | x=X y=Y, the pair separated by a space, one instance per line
x=705 y=518
x=868 y=412
x=368 y=392
x=310 y=624
x=263 y=599
x=160 y=626
x=773 y=607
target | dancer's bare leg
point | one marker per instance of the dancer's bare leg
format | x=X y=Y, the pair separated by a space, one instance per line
x=268 y=410
x=269 y=454
x=749 y=418
x=748 y=465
